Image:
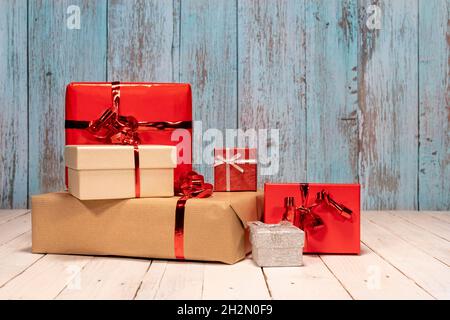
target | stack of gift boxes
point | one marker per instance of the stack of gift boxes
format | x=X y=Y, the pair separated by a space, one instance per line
x=132 y=191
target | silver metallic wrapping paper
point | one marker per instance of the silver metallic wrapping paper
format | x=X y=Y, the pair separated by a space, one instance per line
x=276 y=245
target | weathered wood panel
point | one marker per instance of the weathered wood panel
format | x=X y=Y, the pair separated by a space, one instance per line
x=370 y=277
x=388 y=101
x=46 y=278
x=406 y=257
x=241 y=281
x=13 y=104
x=331 y=91
x=287 y=65
x=310 y=282
x=111 y=278
x=271 y=80
x=208 y=61
x=172 y=280
x=434 y=112
x=143 y=40
x=59 y=55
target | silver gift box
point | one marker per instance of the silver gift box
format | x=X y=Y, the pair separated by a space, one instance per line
x=276 y=245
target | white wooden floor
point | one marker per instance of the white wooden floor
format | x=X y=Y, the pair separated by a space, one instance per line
x=405 y=255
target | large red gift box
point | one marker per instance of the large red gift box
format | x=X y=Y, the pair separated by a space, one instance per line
x=132 y=113
x=328 y=213
x=235 y=169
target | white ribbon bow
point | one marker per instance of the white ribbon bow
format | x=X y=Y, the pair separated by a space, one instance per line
x=231 y=162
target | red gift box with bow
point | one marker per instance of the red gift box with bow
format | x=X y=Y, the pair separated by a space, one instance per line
x=132 y=114
x=328 y=213
x=235 y=169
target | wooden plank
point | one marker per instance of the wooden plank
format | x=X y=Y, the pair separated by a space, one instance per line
x=57 y=56
x=426 y=222
x=14 y=228
x=441 y=215
x=208 y=61
x=271 y=82
x=15 y=257
x=13 y=104
x=369 y=277
x=7 y=215
x=434 y=107
x=434 y=246
x=46 y=278
x=430 y=274
x=388 y=101
x=172 y=280
x=143 y=40
x=311 y=281
x=108 y=278
x=241 y=281
x=331 y=91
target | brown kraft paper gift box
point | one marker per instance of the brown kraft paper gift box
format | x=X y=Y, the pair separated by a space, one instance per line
x=213 y=227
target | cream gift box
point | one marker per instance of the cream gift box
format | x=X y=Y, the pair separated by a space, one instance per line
x=276 y=245
x=98 y=172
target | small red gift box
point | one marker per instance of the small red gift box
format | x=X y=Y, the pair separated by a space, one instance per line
x=132 y=113
x=328 y=213
x=235 y=169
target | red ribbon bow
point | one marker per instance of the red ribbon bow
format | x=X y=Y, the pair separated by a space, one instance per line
x=114 y=129
x=307 y=219
x=192 y=186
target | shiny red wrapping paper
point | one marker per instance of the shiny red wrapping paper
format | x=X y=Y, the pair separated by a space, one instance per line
x=336 y=207
x=235 y=169
x=163 y=107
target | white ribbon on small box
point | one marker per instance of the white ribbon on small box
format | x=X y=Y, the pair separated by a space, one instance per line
x=234 y=162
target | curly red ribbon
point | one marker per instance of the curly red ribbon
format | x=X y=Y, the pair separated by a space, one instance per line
x=192 y=186
x=114 y=129
x=305 y=216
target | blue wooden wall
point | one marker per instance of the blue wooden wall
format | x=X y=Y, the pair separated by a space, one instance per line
x=352 y=102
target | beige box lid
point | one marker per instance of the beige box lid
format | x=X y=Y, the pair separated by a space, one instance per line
x=91 y=157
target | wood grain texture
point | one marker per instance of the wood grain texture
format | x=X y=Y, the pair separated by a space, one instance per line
x=402 y=258
x=388 y=101
x=46 y=278
x=208 y=62
x=271 y=80
x=431 y=244
x=368 y=276
x=172 y=280
x=16 y=257
x=434 y=107
x=440 y=215
x=276 y=64
x=58 y=55
x=331 y=91
x=241 y=281
x=13 y=104
x=428 y=273
x=311 y=281
x=8 y=215
x=143 y=40
x=427 y=223
x=107 y=278
x=14 y=228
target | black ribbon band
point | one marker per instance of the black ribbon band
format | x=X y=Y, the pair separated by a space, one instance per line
x=158 y=125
